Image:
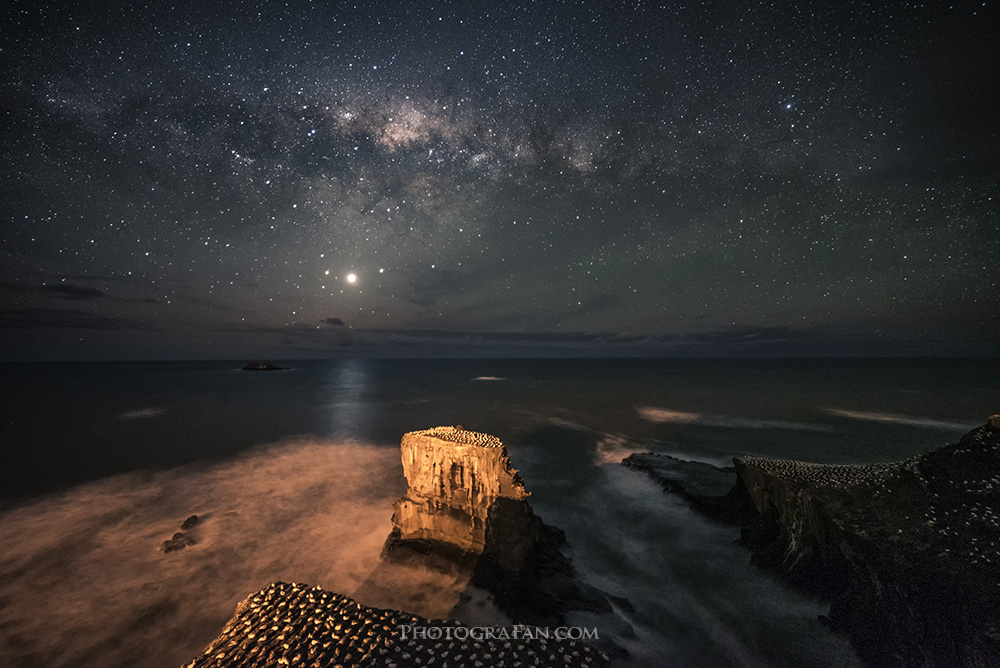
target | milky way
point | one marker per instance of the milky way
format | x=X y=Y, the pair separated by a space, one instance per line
x=310 y=179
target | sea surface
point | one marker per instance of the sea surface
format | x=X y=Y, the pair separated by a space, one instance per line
x=294 y=474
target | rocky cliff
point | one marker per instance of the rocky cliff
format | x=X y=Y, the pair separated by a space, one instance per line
x=907 y=552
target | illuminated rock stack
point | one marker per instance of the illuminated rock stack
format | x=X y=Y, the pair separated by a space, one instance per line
x=456 y=478
x=465 y=514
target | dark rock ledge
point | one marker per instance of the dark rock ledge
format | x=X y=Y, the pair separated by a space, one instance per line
x=907 y=553
x=297 y=625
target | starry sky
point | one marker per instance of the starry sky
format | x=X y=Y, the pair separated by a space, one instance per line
x=315 y=179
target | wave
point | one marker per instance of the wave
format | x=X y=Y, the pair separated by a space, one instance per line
x=893 y=418
x=141 y=414
x=488 y=378
x=654 y=414
x=669 y=416
x=311 y=510
x=612 y=449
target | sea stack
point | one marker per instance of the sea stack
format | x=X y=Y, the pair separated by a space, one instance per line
x=465 y=514
x=455 y=478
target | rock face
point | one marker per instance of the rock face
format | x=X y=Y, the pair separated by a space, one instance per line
x=908 y=553
x=298 y=625
x=455 y=477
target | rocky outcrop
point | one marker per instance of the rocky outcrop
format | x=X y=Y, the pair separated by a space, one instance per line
x=707 y=488
x=907 y=553
x=455 y=477
x=180 y=540
x=298 y=625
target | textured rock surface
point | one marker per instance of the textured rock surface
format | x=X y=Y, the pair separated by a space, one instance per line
x=298 y=625
x=466 y=514
x=706 y=487
x=454 y=476
x=907 y=553
x=180 y=539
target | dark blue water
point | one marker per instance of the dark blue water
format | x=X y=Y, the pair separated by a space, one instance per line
x=65 y=423
x=566 y=424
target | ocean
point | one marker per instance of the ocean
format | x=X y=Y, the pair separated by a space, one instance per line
x=294 y=474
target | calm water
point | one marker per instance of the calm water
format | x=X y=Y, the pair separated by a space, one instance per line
x=112 y=450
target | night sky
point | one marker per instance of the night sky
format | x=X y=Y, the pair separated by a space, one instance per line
x=315 y=179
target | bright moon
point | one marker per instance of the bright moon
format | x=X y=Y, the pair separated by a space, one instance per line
x=352 y=278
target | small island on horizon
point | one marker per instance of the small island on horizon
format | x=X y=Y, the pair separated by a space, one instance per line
x=259 y=365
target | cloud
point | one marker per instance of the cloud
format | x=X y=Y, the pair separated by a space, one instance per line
x=206 y=303
x=72 y=291
x=300 y=335
x=451 y=336
x=16 y=287
x=38 y=318
x=746 y=334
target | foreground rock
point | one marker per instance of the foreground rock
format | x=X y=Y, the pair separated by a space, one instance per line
x=298 y=625
x=907 y=553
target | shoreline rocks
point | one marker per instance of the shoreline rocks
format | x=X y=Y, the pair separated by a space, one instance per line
x=906 y=553
x=180 y=539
